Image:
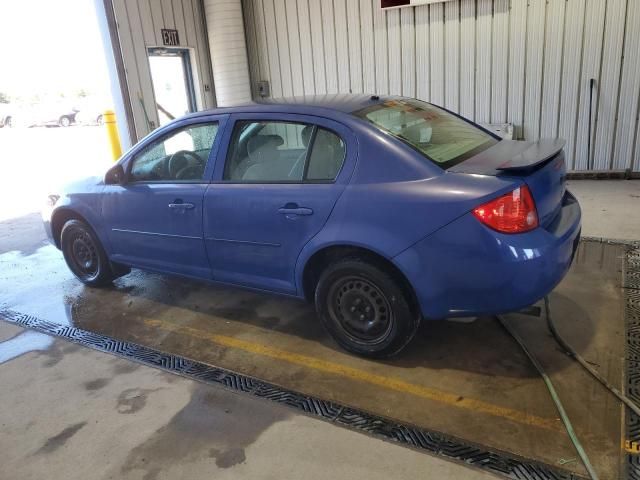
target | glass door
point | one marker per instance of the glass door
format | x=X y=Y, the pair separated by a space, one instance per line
x=172 y=82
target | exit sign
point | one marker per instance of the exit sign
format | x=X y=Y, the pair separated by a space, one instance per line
x=170 y=37
x=387 y=4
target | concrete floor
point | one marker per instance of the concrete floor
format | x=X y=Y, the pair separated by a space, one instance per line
x=74 y=413
x=611 y=208
x=468 y=380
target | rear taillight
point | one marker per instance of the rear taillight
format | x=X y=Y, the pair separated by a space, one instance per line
x=514 y=212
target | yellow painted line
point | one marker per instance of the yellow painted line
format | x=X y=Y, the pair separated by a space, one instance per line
x=632 y=447
x=362 y=376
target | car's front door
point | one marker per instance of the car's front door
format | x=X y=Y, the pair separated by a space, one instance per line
x=155 y=218
x=281 y=177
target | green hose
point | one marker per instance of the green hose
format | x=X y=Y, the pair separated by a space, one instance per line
x=556 y=399
x=573 y=354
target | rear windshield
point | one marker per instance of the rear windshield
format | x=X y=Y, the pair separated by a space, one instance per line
x=440 y=136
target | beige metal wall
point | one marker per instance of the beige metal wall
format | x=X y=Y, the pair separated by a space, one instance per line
x=524 y=62
x=138 y=24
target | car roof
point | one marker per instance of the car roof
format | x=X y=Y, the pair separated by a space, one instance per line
x=340 y=103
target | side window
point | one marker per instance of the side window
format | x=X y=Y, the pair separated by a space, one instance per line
x=180 y=157
x=327 y=156
x=268 y=152
x=279 y=152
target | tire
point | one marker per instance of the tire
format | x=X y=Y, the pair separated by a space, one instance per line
x=100 y=120
x=84 y=254
x=9 y=122
x=64 y=121
x=365 y=309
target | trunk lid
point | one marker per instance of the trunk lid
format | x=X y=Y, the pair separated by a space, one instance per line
x=541 y=165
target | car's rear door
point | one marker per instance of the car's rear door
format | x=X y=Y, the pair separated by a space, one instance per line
x=281 y=177
x=154 y=220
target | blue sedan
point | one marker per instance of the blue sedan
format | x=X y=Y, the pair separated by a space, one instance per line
x=383 y=211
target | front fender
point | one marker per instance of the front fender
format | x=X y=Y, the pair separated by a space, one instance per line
x=88 y=206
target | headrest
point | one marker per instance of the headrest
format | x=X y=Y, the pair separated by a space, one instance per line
x=260 y=141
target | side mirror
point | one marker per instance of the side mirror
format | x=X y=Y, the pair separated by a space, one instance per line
x=114 y=176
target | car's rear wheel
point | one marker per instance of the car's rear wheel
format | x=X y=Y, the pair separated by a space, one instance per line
x=100 y=120
x=365 y=308
x=64 y=121
x=84 y=254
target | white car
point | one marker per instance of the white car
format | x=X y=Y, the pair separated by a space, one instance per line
x=6 y=115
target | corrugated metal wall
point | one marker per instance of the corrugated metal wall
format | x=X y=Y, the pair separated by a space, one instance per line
x=524 y=62
x=139 y=23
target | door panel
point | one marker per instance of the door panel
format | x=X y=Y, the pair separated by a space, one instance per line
x=252 y=241
x=254 y=229
x=158 y=226
x=155 y=220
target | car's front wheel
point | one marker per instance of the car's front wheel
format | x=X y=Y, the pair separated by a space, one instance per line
x=64 y=121
x=365 y=309
x=84 y=254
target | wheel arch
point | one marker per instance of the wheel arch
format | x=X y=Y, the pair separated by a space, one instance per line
x=62 y=216
x=321 y=258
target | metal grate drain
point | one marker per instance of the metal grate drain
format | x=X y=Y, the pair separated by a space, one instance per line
x=631 y=284
x=631 y=287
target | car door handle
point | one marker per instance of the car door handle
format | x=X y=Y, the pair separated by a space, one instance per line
x=182 y=206
x=286 y=210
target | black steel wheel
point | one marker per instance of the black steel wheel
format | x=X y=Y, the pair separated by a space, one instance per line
x=360 y=309
x=84 y=254
x=365 y=309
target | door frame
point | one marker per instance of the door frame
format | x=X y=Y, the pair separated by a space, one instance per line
x=185 y=54
x=344 y=132
x=127 y=162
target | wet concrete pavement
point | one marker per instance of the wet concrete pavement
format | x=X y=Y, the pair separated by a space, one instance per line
x=73 y=413
x=467 y=380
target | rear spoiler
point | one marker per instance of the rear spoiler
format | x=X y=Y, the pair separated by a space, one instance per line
x=539 y=152
x=511 y=156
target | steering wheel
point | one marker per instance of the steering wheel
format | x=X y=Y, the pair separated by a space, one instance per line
x=181 y=160
x=190 y=172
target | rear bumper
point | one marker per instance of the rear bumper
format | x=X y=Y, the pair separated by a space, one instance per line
x=467 y=269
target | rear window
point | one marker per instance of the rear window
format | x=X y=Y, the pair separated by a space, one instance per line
x=440 y=136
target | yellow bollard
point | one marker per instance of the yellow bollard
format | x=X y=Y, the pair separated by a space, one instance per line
x=109 y=118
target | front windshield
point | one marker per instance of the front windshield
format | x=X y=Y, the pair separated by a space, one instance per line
x=442 y=137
